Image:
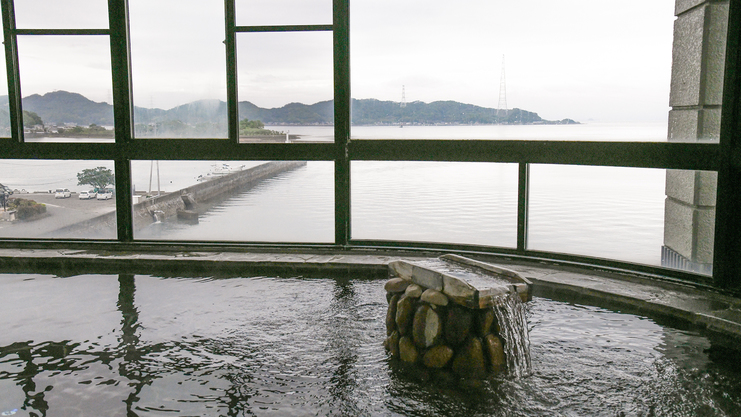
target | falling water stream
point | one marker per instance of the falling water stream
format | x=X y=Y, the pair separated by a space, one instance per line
x=510 y=312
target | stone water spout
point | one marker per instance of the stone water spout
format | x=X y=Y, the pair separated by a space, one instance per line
x=458 y=314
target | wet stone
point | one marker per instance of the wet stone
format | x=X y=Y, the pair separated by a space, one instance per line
x=469 y=362
x=459 y=291
x=407 y=350
x=484 y=319
x=434 y=297
x=396 y=285
x=426 y=328
x=413 y=290
x=457 y=325
x=392 y=344
x=391 y=314
x=495 y=353
x=404 y=314
x=438 y=356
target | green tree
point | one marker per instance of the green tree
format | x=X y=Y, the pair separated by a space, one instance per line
x=251 y=124
x=31 y=119
x=99 y=177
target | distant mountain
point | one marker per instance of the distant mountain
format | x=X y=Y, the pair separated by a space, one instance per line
x=60 y=107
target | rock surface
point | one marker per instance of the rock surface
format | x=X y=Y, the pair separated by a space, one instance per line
x=437 y=357
x=392 y=344
x=391 y=314
x=427 y=328
x=404 y=314
x=396 y=285
x=484 y=319
x=469 y=361
x=434 y=297
x=407 y=351
x=495 y=352
x=414 y=290
x=457 y=325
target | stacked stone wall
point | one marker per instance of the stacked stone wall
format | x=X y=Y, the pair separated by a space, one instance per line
x=425 y=328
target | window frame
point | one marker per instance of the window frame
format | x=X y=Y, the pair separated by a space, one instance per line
x=723 y=157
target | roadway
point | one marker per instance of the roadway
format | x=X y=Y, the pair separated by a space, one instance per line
x=61 y=212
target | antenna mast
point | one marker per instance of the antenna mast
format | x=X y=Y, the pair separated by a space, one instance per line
x=502 y=105
x=402 y=105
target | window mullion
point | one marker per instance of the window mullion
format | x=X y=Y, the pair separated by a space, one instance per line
x=232 y=97
x=13 y=70
x=341 y=36
x=122 y=114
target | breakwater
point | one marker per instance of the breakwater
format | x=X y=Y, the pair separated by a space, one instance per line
x=152 y=209
x=158 y=208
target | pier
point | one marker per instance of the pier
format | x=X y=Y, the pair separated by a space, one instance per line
x=71 y=222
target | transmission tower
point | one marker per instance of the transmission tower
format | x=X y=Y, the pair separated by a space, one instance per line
x=502 y=105
x=402 y=105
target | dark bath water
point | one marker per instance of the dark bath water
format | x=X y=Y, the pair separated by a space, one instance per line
x=107 y=345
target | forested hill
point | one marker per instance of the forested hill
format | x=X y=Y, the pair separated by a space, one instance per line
x=60 y=107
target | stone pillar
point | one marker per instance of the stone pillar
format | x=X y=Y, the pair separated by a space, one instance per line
x=698 y=62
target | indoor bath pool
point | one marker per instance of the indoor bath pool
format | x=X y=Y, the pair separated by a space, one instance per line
x=141 y=345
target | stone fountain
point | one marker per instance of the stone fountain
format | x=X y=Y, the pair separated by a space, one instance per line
x=458 y=314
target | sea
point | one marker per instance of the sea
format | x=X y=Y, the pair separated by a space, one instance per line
x=606 y=212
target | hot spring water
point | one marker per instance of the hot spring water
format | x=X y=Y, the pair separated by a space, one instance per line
x=92 y=345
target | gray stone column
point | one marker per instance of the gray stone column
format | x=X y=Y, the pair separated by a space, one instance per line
x=698 y=61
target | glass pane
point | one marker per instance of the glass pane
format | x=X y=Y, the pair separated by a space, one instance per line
x=452 y=202
x=283 y=12
x=283 y=201
x=66 y=81
x=57 y=199
x=178 y=68
x=61 y=14
x=605 y=212
x=457 y=69
x=4 y=112
x=285 y=82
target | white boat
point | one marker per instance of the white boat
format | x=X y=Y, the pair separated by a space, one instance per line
x=219 y=170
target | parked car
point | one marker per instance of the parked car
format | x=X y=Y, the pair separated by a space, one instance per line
x=105 y=194
x=87 y=195
x=62 y=193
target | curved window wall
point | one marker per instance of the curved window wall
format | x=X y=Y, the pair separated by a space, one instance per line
x=448 y=151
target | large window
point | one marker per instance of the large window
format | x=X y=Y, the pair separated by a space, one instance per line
x=511 y=70
x=63 y=52
x=178 y=65
x=463 y=119
x=57 y=199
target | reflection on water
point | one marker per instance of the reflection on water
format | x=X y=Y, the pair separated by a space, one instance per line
x=93 y=345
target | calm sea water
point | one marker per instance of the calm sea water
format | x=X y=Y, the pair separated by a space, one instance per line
x=597 y=211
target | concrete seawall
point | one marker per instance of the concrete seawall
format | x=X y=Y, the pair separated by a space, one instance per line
x=147 y=211
x=144 y=212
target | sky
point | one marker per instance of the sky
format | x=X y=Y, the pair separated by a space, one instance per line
x=582 y=59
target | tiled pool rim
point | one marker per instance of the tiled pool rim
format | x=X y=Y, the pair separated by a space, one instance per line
x=719 y=313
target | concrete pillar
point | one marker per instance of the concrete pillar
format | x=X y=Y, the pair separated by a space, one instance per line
x=698 y=62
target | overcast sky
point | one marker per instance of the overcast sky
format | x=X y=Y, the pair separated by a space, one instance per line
x=582 y=59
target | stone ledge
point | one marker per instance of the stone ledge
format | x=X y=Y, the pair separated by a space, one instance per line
x=716 y=312
x=459 y=290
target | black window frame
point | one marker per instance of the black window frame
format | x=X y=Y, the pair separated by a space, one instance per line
x=723 y=157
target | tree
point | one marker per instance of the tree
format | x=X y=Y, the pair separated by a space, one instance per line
x=99 y=177
x=251 y=124
x=31 y=119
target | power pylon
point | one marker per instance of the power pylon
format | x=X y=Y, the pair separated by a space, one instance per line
x=402 y=105
x=502 y=105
